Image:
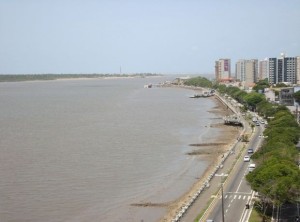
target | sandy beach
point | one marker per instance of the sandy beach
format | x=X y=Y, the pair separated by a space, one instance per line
x=212 y=152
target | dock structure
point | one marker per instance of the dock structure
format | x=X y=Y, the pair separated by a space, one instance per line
x=232 y=120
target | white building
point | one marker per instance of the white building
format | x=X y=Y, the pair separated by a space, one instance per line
x=223 y=70
x=263 y=69
x=247 y=71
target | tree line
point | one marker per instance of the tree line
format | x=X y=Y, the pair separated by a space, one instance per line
x=32 y=77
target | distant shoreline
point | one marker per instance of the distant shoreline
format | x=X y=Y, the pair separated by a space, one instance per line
x=47 y=77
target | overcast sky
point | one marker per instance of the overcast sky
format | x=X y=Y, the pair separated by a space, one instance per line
x=158 y=36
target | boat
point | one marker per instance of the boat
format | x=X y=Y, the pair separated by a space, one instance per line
x=148 y=86
x=196 y=96
x=205 y=94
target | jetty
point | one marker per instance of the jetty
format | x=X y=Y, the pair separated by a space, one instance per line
x=233 y=120
x=204 y=94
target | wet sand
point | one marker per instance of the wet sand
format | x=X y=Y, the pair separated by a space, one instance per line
x=212 y=153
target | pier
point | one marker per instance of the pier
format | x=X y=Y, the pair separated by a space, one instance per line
x=233 y=120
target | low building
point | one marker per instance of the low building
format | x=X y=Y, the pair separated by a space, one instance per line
x=286 y=96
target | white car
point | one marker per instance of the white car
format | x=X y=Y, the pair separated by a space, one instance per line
x=251 y=167
x=246 y=158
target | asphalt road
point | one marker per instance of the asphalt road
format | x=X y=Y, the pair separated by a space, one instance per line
x=236 y=191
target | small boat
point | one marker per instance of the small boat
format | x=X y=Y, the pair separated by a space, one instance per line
x=148 y=86
x=205 y=94
x=196 y=96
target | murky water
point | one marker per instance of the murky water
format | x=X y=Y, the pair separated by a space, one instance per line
x=84 y=150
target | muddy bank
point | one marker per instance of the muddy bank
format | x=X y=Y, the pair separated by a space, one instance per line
x=213 y=152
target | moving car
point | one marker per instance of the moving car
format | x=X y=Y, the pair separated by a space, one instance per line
x=246 y=158
x=250 y=151
x=251 y=167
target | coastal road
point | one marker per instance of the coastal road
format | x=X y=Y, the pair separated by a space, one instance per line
x=236 y=191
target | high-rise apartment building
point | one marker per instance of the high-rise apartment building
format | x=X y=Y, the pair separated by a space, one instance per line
x=263 y=69
x=283 y=69
x=298 y=69
x=290 y=69
x=240 y=70
x=223 y=70
x=246 y=71
x=272 y=70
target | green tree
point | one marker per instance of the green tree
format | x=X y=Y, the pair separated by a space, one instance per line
x=261 y=85
x=199 y=82
x=277 y=179
x=252 y=99
x=296 y=96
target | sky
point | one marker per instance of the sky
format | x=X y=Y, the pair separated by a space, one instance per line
x=142 y=36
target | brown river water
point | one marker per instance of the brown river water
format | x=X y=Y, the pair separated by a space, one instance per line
x=85 y=150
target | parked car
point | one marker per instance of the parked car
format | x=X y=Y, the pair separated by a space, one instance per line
x=246 y=158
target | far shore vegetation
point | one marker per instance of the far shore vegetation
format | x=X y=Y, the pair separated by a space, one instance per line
x=33 y=77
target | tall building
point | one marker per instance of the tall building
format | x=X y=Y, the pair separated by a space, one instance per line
x=240 y=70
x=263 y=70
x=290 y=69
x=223 y=70
x=272 y=70
x=298 y=70
x=246 y=71
x=283 y=69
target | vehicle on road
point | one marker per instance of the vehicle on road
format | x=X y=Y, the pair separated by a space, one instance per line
x=250 y=151
x=246 y=158
x=251 y=167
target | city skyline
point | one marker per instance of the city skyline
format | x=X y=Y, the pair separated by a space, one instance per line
x=142 y=36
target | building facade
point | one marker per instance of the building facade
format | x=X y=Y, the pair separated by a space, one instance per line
x=290 y=69
x=298 y=70
x=223 y=70
x=263 y=69
x=240 y=70
x=283 y=69
x=272 y=70
x=247 y=71
x=286 y=96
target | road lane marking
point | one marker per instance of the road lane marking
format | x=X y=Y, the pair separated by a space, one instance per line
x=240 y=197
x=244 y=197
x=239 y=186
x=234 y=197
x=241 y=193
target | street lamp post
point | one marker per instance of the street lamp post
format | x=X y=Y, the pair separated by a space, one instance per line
x=222 y=192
